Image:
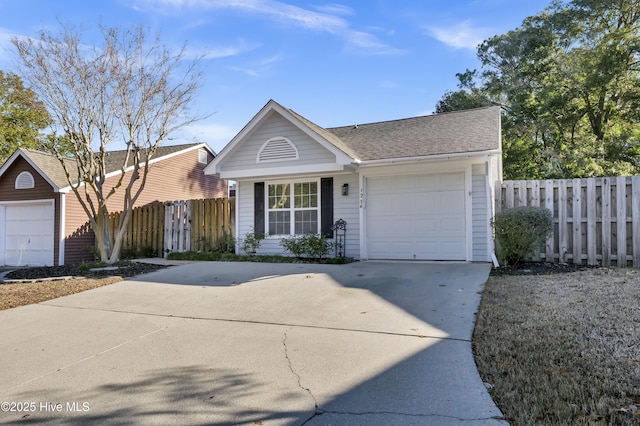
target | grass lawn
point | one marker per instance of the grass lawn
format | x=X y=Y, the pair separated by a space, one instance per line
x=562 y=349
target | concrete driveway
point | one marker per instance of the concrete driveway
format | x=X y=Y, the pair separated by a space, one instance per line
x=247 y=343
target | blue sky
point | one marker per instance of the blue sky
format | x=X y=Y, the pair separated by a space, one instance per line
x=337 y=63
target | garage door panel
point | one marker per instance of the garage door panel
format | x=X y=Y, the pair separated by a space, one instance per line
x=29 y=234
x=416 y=217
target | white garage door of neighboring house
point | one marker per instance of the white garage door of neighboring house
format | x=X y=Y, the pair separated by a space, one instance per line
x=29 y=232
x=418 y=217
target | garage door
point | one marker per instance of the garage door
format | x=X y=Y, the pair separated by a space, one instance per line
x=29 y=234
x=416 y=217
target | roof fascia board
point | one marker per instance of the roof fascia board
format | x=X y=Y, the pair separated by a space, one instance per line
x=435 y=157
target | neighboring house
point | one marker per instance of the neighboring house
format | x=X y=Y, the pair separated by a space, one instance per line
x=42 y=221
x=417 y=188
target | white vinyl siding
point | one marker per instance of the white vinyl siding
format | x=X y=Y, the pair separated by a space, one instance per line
x=479 y=213
x=344 y=207
x=309 y=151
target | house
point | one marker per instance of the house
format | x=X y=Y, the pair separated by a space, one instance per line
x=42 y=221
x=417 y=188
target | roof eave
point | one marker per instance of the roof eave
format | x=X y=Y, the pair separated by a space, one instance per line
x=434 y=157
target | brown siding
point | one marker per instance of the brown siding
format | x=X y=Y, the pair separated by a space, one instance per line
x=41 y=191
x=180 y=177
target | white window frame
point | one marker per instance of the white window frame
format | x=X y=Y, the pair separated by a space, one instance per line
x=291 y=209
x=203 y=156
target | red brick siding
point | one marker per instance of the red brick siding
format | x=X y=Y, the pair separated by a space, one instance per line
x=180 y=177
x=41 y=191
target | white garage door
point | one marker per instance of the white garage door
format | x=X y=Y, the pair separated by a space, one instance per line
x=416 y=217
x=29 y=234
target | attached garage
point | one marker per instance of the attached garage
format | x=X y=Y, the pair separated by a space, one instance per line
x=417 y=188
x=419 y=217
x=28 y=233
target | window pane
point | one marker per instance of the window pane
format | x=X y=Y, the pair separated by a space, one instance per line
x=305 y=195
x=279 y=196
x=306 y=222
x=279 y=223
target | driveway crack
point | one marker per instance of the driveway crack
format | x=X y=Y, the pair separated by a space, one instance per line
x=299 y=379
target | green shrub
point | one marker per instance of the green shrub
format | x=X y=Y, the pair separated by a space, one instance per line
x=520 y=231
x=225 y=244
x=251 y=242
x=309 y=245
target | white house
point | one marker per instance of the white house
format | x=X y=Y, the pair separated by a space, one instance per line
x=417 y=188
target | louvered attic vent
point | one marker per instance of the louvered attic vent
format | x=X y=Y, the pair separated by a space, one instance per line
x=277 y=149
x=25 y=181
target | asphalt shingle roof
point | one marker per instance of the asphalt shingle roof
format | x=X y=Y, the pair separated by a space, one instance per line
x=448 y=133
x=51 y=167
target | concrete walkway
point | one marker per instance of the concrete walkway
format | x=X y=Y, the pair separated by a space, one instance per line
x=246 y=343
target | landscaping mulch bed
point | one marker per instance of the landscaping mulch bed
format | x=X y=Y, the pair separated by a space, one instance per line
x=560 y=344
x=130 y=270
x=51 y=282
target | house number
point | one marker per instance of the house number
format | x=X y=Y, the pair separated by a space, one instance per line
x=361 y=197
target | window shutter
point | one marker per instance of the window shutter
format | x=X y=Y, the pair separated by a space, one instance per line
x=326 y=208
x=258 y=208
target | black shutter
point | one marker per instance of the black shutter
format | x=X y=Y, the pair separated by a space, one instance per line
x=258 y=208
x=326 y=209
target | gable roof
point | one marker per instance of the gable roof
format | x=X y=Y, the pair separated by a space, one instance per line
x=474 y=130
x=48 y=166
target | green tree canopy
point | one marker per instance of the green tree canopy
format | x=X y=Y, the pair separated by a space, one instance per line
x=569 y=83
x=22 y=116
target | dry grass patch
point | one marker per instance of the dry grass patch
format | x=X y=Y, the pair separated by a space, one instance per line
x=19 y=294
x=562 y=349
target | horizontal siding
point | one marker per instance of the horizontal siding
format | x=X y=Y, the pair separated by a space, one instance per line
x=479 y=214
x=345 y=207
x=180 y=177
x=244 y=157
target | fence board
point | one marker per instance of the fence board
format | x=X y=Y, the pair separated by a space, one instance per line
x=577 y=221
x=591 y=222
x=596 y=220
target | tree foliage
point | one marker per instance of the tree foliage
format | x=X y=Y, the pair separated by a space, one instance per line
x=569 y=83
x=129 y=90
x=22 y=116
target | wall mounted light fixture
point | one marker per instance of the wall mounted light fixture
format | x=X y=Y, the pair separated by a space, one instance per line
x=345 y=189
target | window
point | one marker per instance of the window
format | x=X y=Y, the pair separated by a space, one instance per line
x=202 y=156
x=25 y=181
x=293 y=208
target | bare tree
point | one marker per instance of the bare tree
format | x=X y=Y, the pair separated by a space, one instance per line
x=128 y=90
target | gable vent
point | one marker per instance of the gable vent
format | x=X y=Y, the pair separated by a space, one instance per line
x=277 y=149
x=25 y=181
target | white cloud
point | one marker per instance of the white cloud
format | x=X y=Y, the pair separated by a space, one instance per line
x=327 y=19
x=335 y=9
x=462 y=35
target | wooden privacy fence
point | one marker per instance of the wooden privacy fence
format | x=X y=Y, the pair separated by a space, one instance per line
x=159 y=228
x=195 y=225
x=596 y=220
